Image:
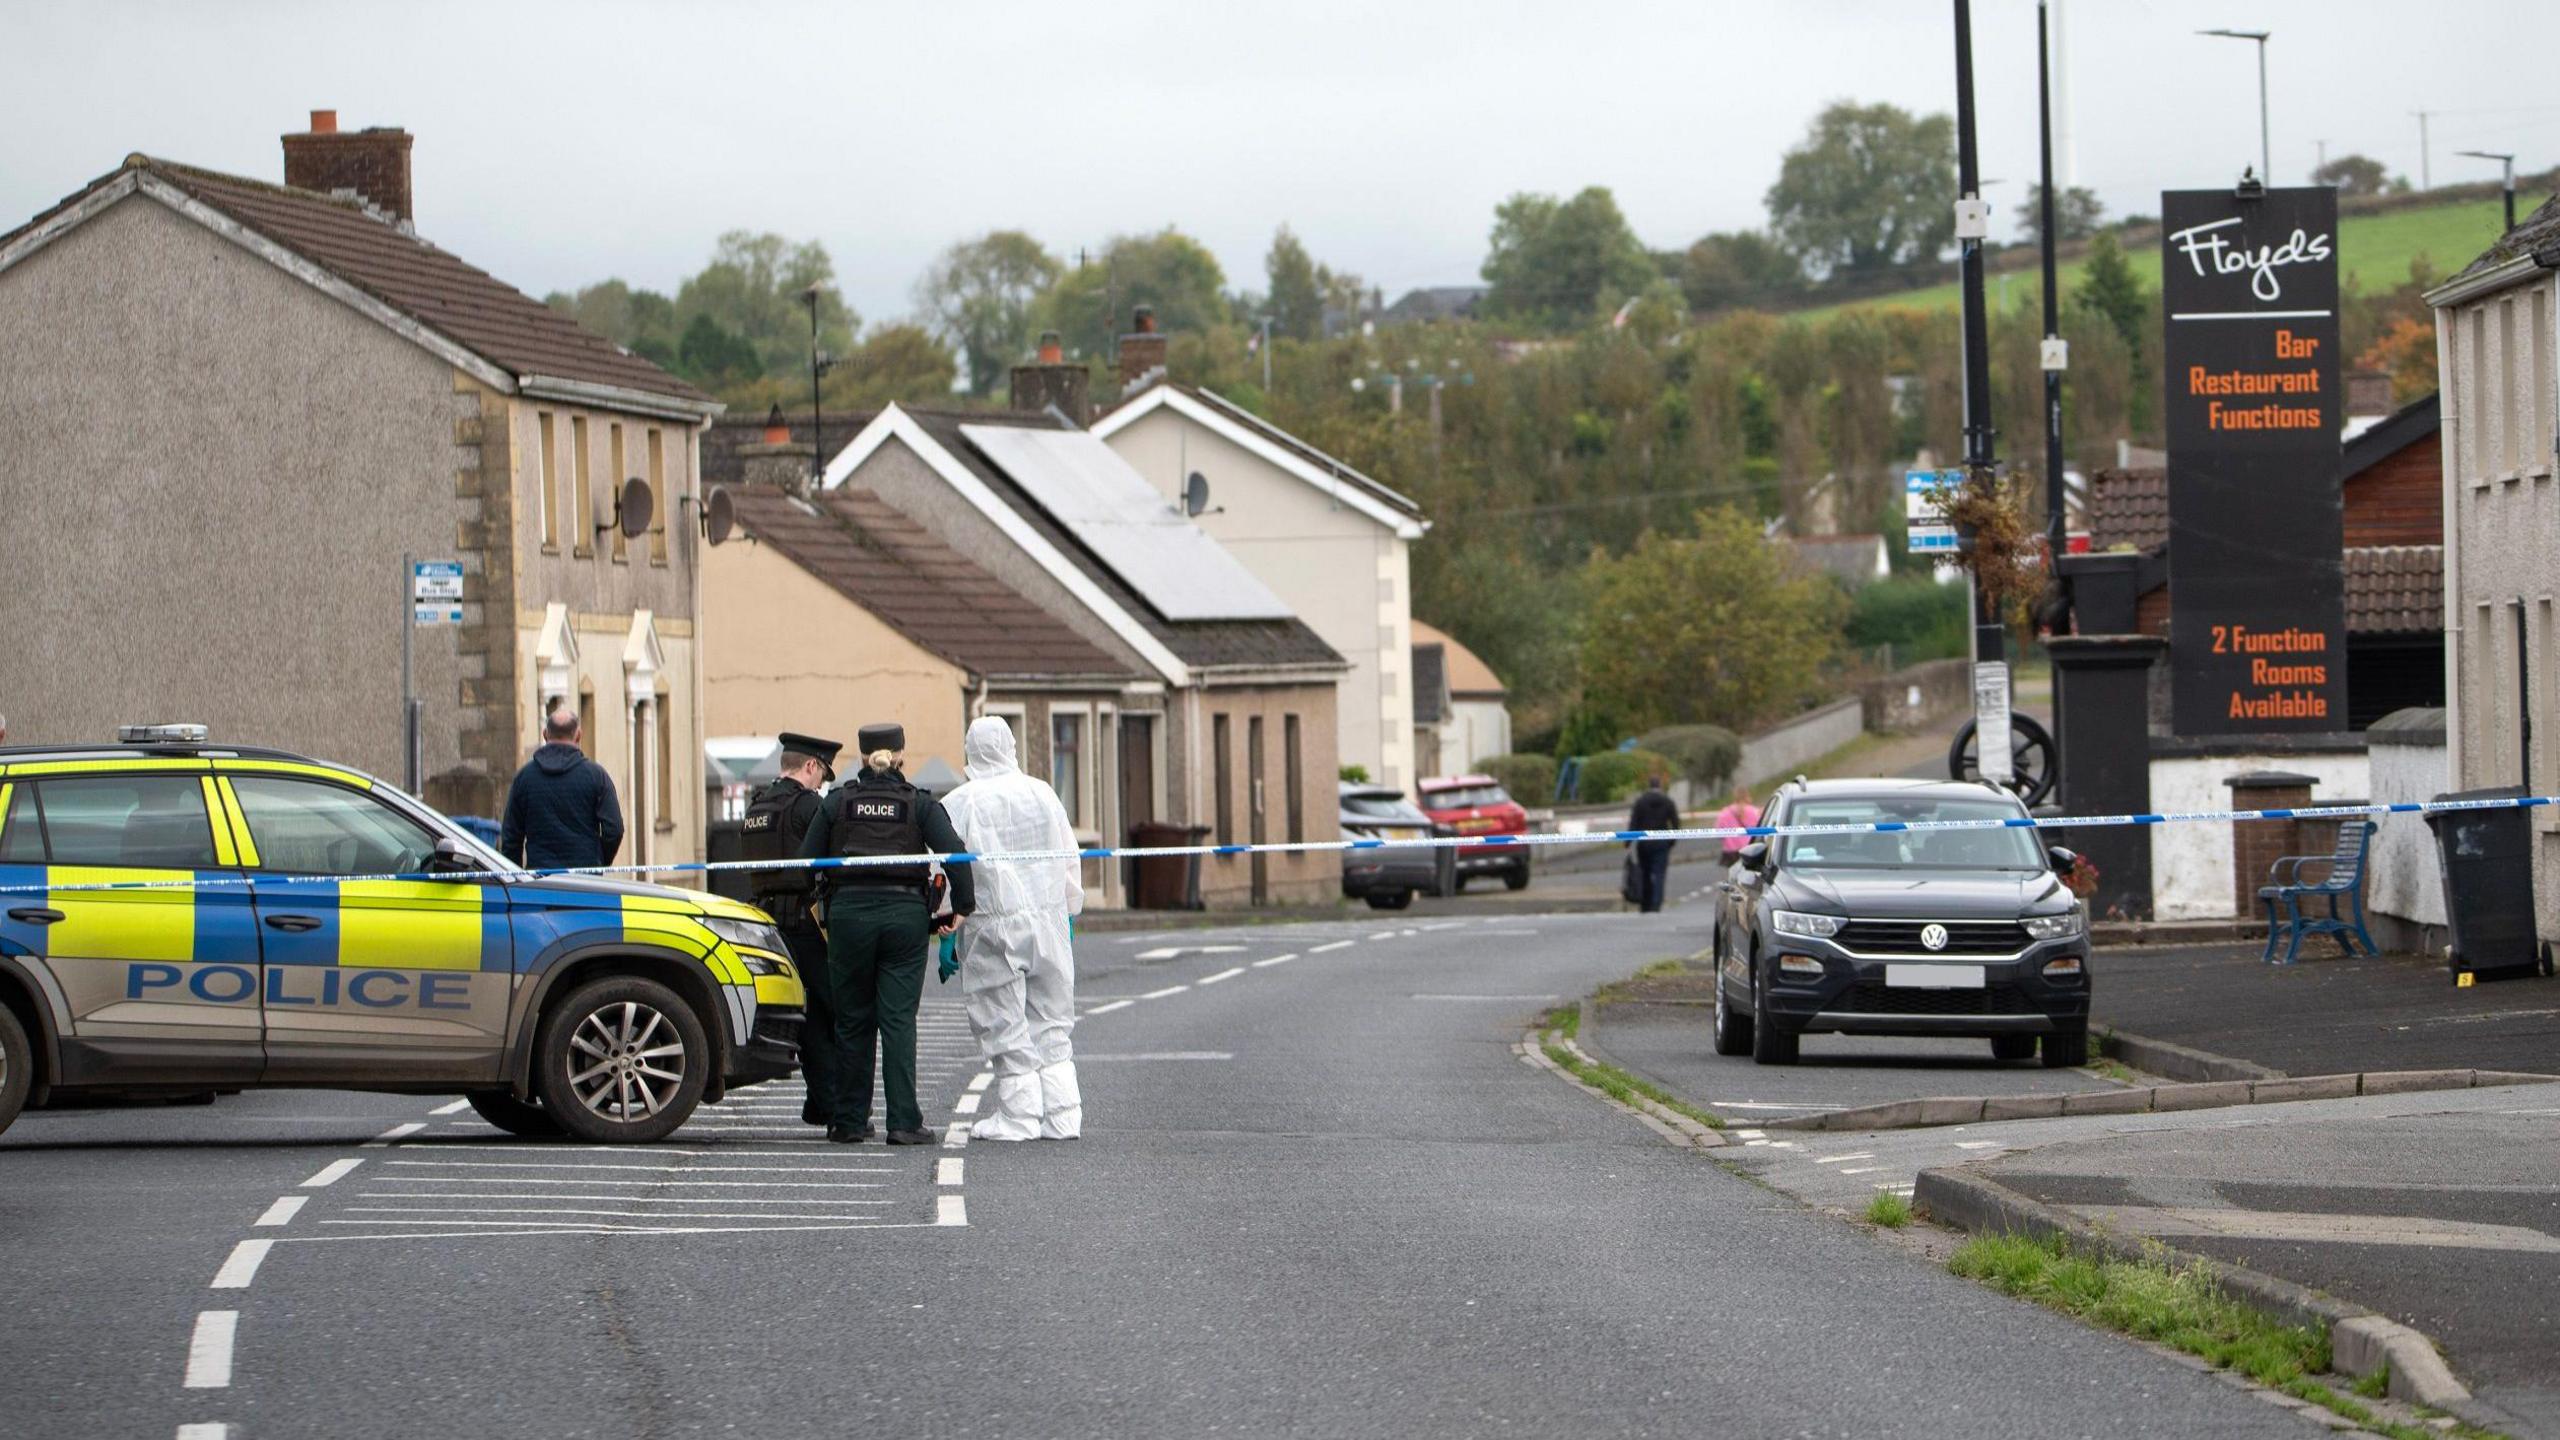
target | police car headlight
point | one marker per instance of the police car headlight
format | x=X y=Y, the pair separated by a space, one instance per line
x=751 y=935
x=2054 y=927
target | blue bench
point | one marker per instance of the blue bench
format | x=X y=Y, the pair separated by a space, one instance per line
x=2342 y=884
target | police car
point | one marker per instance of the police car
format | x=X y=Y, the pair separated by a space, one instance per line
x=178 y=917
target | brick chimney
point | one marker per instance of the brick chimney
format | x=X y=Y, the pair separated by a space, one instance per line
x=1141 y=350
x=373 y=163
x=1052 y=379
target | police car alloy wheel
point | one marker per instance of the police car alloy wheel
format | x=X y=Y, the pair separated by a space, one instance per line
x=622 y=1060
x=17 y=1067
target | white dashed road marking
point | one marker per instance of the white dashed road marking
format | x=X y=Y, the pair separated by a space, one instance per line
x=1114 y=1005
x=1168 y=990
x=1169 y=952
x=456 y=1108
x=1336 y=945
x=209 y=1350
x=951 y=1210
x=946 y=1171
x=1274 y=960
x=979 y=1081
x=968 y=1104
x=204 y=1431
x=331 y=1173
x=284 y=1210
x=242 y=1267
x=1839 y=1159
x=1221 y=975
x=396 y=1132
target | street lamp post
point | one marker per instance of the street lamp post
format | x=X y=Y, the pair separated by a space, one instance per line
x=2508 y=160
x=819 y=364
x=1989 y=634
x=2265 y=170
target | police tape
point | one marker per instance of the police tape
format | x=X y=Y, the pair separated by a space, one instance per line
x=202 y=881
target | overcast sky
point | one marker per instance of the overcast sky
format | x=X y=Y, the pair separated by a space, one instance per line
x=560 y=143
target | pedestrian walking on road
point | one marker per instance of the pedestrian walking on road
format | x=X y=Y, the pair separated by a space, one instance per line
x=1734 y=816
x=1017 y=967
x=879 y=922
x=777 y=821
x=1654 y=810
x=561 y=810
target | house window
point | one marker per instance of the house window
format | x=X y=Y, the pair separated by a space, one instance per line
x=666 y=736
x=1066 y=763
x=581 y=519
x=1293 y=776
x=613 y=446
x=2518 y=368
x=545 y=501
x=2538 y=383
x=658 y=497
x=587 y=720
x=2482 y=462
x=1222 y=775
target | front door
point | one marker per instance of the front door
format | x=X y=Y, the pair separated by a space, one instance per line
x=162 y=983
x=1254 y=809
x=1137 y=786
x=370 y=979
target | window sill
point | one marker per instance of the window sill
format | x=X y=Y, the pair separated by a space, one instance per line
x=657 y=562
x=664 y=827
x=583 y=553
x=550 y=549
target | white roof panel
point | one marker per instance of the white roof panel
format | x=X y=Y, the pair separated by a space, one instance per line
x=1149 y=543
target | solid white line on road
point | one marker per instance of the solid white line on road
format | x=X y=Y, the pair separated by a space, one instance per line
x=242 y=1267
x=1866 y=1170
x=1841 y=1159
x=1770 y=1105
x=968 y=1104
x=596 y=1229
x=951 y=1210
x=558 y=1210
x=1336 y=945
x=456 y=1108
x=1488 y=997
x=1168 y=952
x=1979 y=1144
x=691 y=1184
x=1221 y=975
x=1275 y=960
x=396 y=1132
x=202 y=1430
x=330 y=1174
x=209 y=1350
x=1095 y=1059
x=1168 y=990
x=283 y=1210
x=946 y=1171
x=979 y=1081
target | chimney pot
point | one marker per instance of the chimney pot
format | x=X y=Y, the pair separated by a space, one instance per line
x=777 y=431
x=1143 y=320
x=324 y=122
x=1052 y=350
x=1143 y=350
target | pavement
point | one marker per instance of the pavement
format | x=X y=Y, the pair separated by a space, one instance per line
x=1318 y=1194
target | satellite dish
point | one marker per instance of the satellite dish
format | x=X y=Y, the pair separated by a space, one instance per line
x=632 y=508
x=1195 y=495
x=719 y=515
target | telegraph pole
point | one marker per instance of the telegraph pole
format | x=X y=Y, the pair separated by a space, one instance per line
x=1972 y=226
x=2056 y=354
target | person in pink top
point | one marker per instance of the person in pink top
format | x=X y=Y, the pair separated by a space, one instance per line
x=1740 y=812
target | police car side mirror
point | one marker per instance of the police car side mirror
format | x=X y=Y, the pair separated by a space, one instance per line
x=451 y=859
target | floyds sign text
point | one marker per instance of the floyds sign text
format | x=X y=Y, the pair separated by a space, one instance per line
x=2257 y=628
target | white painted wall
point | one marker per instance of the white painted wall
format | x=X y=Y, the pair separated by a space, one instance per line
x=2191 y=875
x=1477 y=730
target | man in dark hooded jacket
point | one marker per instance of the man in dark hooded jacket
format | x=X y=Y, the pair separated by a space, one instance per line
x=561 y=810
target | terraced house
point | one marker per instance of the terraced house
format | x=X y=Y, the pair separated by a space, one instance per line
x=231 y=407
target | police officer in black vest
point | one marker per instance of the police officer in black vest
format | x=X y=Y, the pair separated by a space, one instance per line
x=879 y=925
x=778 y=819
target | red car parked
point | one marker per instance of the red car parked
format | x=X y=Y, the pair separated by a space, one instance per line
x=1478 y=805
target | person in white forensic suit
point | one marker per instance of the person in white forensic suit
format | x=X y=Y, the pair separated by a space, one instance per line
x=1017 y=973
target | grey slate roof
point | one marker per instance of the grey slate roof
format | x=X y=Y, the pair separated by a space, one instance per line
x=1210 y=644
x=2534 y=232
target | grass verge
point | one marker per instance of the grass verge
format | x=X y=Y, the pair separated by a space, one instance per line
x=2180 y=1308
x=1564 y=1023
x=1889 y=1210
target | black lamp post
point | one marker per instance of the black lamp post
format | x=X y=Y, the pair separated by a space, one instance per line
x=2508 y=160
x=819 y=364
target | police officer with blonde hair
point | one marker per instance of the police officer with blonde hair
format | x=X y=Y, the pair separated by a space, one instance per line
x=879 y=924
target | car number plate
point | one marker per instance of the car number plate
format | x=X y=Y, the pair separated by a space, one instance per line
x=1934 y=977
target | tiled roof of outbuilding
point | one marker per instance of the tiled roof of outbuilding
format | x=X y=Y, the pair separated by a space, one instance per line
x=2129 y=507
x=879 y=558
x=2395 y=589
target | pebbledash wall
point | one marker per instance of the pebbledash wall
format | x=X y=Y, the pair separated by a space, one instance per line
x=213 y=469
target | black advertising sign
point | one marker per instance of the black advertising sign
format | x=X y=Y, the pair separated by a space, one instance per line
x=2257 y=589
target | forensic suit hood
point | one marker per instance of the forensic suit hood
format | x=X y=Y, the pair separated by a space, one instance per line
x=1017 y=969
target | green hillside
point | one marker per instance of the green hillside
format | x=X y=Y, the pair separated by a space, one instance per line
x=2373 y=251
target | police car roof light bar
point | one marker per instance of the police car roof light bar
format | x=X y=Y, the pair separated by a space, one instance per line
x=162 y=734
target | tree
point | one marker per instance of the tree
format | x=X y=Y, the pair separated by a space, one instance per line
x=754 y=287
x=1553 y=264
x=1707 y=627
x=978 y=295
x=2077 y=213
x=2109 y=287
x=903 y=362
x=2408 y=352
x=1090 y=305
x=1738 y=268
x=1871 y=188
x=2354 y=175
x=713 y=357
x=633 y=319
x=1297 y=296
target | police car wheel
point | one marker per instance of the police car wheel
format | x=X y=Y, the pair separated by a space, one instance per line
x=17 y=1067
x=622 y=1060
x=516 y=1117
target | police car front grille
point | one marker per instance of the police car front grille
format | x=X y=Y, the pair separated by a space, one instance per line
x=778 y=1030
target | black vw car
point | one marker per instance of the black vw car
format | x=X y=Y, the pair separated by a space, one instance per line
x=1901 y=932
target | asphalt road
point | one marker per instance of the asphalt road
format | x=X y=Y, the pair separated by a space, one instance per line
x=1318 y=1195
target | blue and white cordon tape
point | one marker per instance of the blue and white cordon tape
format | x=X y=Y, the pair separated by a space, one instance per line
x=1437 y=842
